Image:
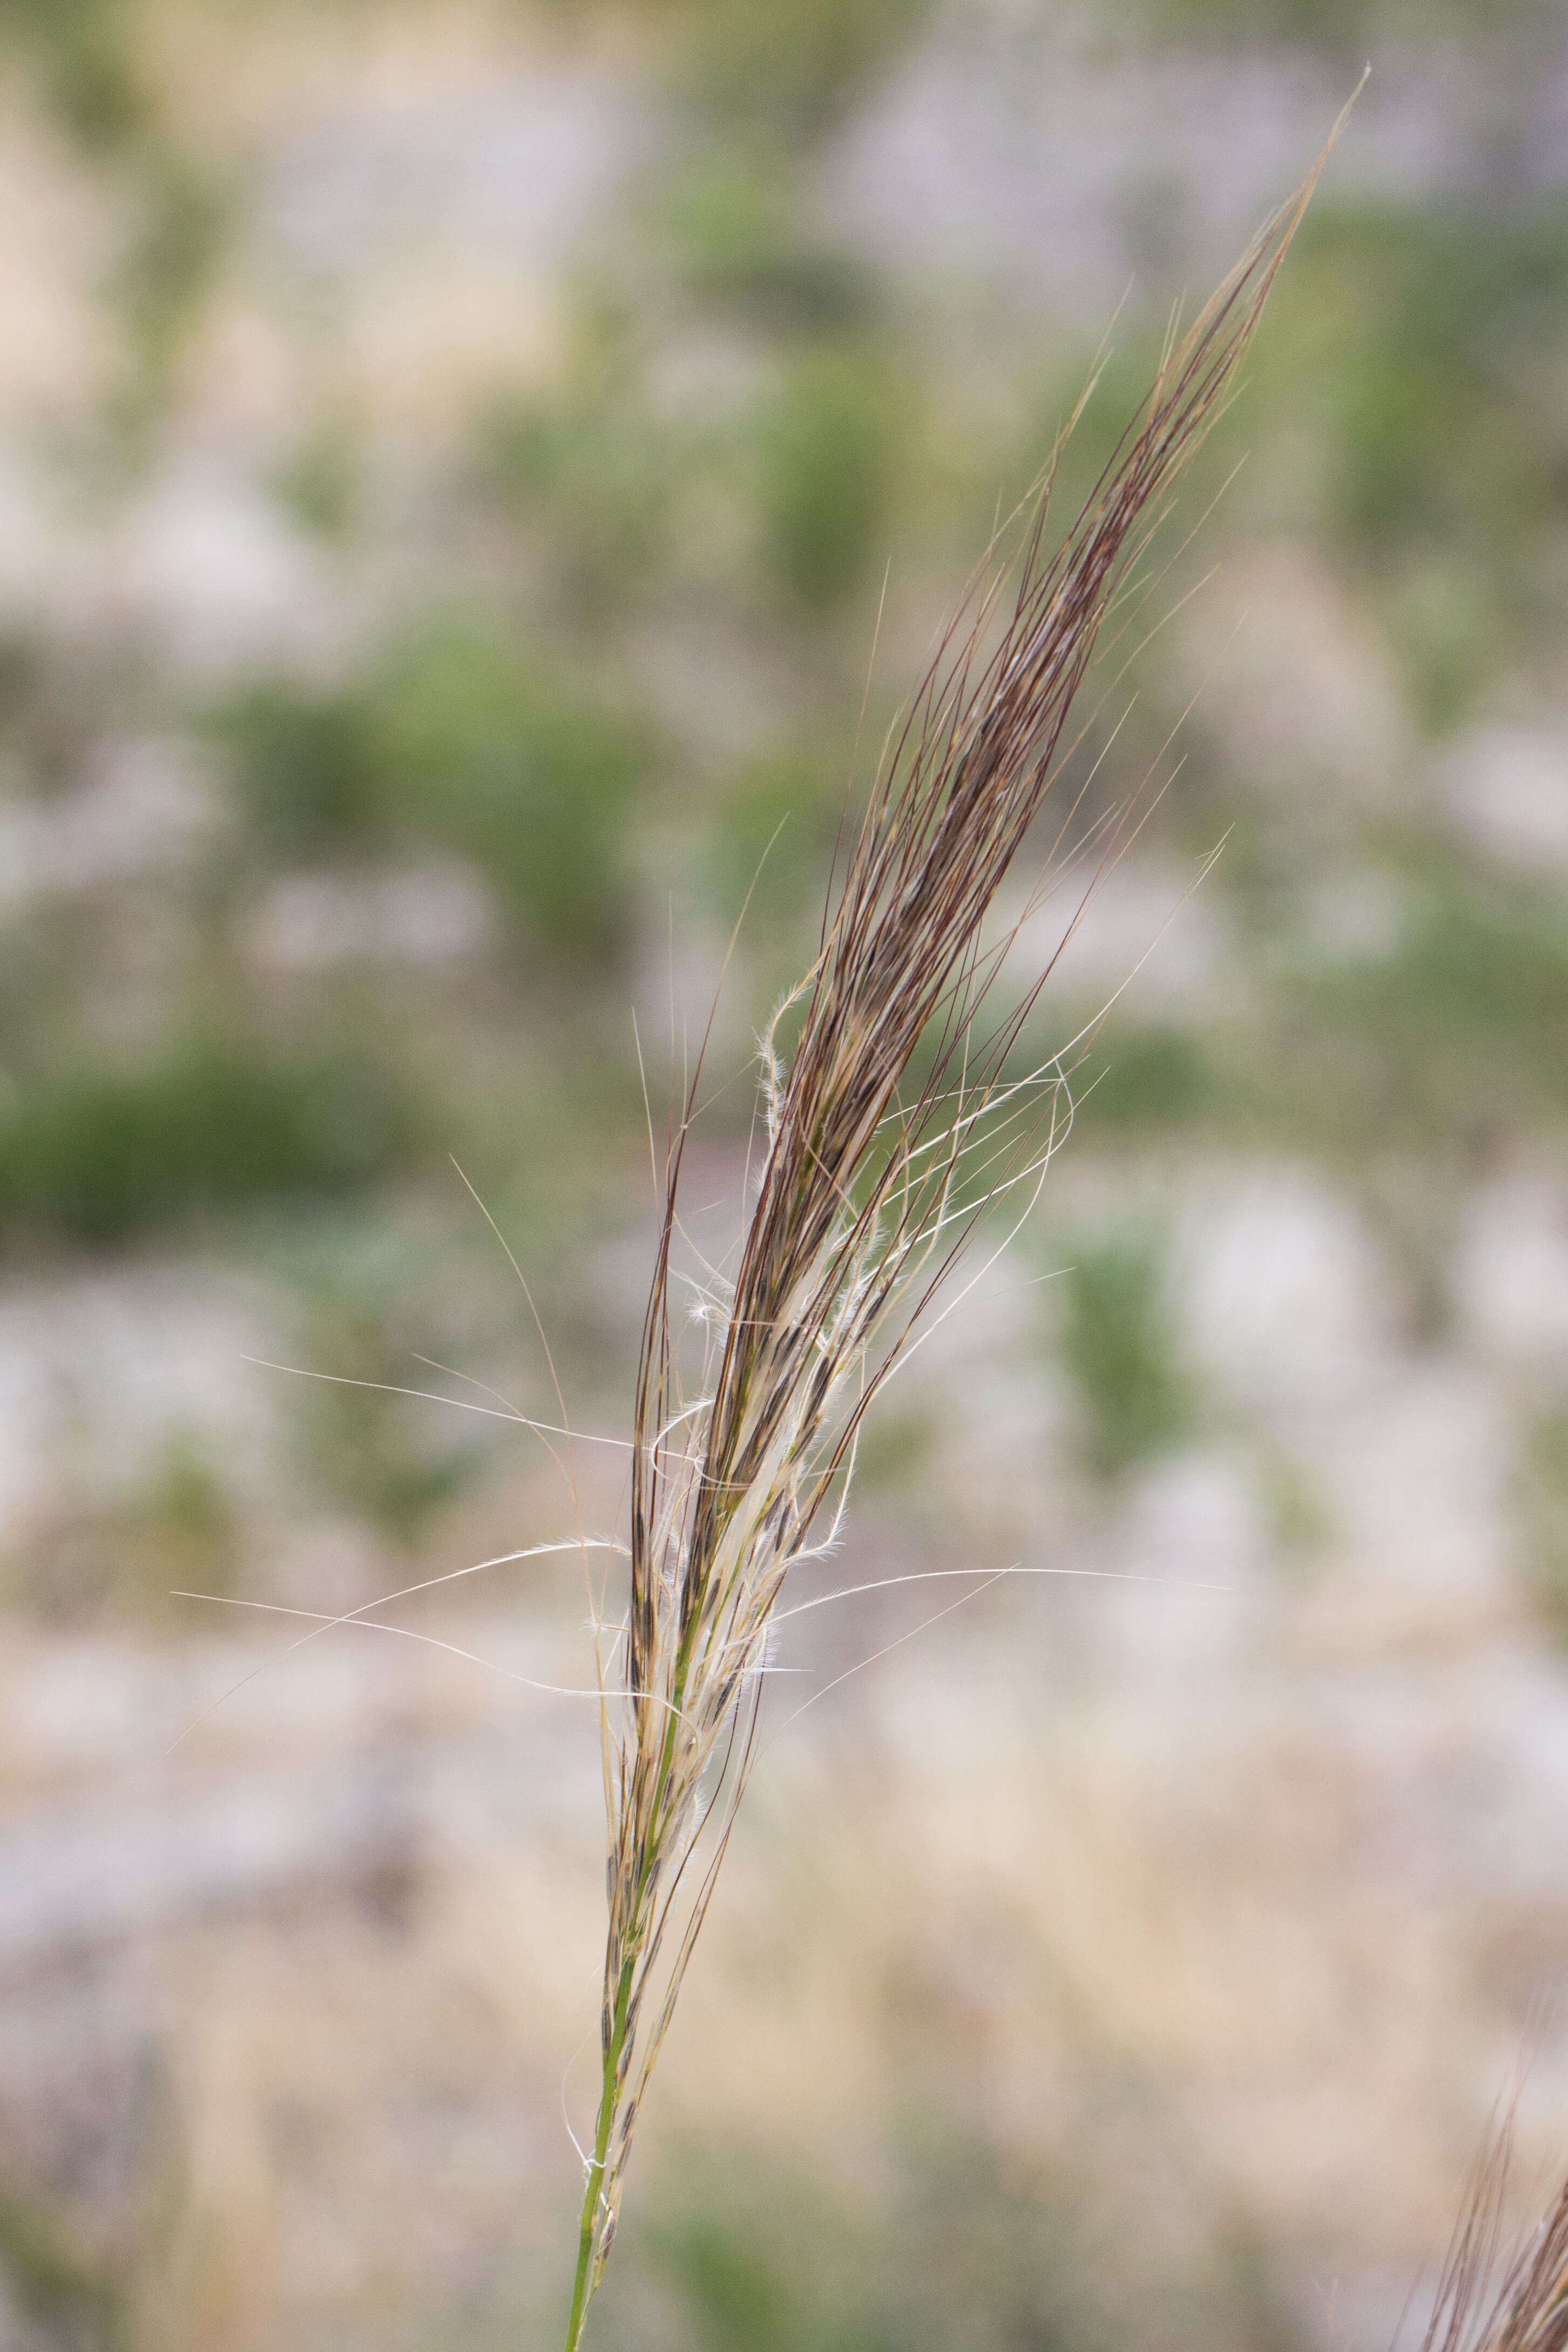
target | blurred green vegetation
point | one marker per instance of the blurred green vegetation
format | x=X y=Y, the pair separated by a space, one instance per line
x=588 y=467
x=896 y=1451
x=305 y=766
x=96 y=1155
x=1436 y=1048
x=827 y=448
x=1458 y=1036
x=84 y=53
x=90 y=60
x=120 y=1558
x=767 y=849
x=380 y=1456
x=320 y=481
x=1298 y=1516
x=1420 y=346
x=1451 y=443
x=169 y=264
x=787 y=73
x=495 y=758
x=1349 y=31
x=959 y=2248
x=735 y=221
x=57 y=2286
x=455 y=740
x=183 y=1525
x=1149 y=1076
x=1118 y=1347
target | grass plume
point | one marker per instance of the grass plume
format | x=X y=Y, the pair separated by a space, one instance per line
x=893 y=1119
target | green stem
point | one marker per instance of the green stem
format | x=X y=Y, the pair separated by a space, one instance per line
x=582 y=2288
x=595 y=2179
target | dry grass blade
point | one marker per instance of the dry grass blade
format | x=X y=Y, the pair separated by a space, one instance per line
x=871 y=1182
x=1527 y=2309
x=1532 y=2310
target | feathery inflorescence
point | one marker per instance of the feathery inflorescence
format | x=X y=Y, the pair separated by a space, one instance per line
x=890 y=1123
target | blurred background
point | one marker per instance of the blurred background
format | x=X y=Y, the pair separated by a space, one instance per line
x=452 y=458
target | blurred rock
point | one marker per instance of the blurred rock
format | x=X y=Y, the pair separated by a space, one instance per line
x=144 y=808
x=1511 y=1270
x=1507 y=788
x=432 y=914
x=1041 y=154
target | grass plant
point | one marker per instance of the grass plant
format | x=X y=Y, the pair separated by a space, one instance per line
x=893 y=1120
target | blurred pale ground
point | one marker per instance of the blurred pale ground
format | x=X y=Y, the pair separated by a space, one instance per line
x=449 y=459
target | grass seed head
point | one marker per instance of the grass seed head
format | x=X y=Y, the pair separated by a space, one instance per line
x=892 y=1120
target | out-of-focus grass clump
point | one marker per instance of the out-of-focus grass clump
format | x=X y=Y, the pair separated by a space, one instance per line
x=1346 y=29
x=826 y=449
x=89 y=60
x=1150 y=1078
x=84 y=53
x=1410 y=373
x=366 y=1446
x=1452 y=466
x=320 y=481
x=786 y=74
x=733 y=220
x=1460 y=1033
x=304 y=762
x=118 y=1555
x=169 y=262
x=960 y=2248
x=1118 y=1348
x=96 y=1155
x=496 y=759
x=588 y=467
x=766 y=850
x=59 y=2287
x=456 y=741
